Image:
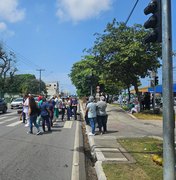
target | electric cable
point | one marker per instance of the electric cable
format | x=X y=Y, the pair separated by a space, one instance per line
x=131 y=12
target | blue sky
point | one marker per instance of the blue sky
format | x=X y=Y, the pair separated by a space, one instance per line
x=51 y=34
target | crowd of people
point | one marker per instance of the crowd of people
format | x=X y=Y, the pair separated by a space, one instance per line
x=47 y=111
x=96 y=114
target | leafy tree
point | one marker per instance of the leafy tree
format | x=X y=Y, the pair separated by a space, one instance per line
x=121 y=51
x=24 y=83
x=83 y=75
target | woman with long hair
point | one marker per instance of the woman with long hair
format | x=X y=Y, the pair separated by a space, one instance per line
x=33 y=113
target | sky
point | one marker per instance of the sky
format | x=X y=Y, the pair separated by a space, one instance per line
x=52 y=34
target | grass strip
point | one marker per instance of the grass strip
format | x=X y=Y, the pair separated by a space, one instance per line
x=142 y=149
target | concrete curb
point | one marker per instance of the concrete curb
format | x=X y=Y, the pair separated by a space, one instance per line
x=98 y=165
x=99 y=171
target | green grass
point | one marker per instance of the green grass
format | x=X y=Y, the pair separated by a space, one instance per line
x=145 y=168
x=148 y=116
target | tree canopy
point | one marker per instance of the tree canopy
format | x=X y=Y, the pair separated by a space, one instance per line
x=120 y=57
x=23 y=84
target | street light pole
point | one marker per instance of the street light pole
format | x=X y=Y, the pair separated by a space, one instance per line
x=40 y=70
x=168 y=111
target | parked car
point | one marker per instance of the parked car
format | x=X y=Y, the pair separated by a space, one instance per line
x=3 y=106
x=17 y=103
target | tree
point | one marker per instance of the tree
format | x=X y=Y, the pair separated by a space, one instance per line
x=24 y=83
x=121 y=51
x=7 y=68
x=83 y=75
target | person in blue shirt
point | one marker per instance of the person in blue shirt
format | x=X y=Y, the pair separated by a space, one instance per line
x=45 y=114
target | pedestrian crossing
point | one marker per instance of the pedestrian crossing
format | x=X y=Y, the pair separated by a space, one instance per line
x=12 y=119
x=8 y=120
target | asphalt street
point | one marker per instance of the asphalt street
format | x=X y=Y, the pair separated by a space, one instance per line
x=50 y=156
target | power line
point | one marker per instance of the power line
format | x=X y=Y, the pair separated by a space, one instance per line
x=131 y=12
x=21 y=58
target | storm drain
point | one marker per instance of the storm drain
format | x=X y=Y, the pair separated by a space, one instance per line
x=108 y=149
x=110 y=154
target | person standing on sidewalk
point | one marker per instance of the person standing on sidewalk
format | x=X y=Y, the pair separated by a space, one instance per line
x=92 y=114
x=101 y=115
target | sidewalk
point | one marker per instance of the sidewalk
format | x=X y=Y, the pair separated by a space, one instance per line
x=105 y=148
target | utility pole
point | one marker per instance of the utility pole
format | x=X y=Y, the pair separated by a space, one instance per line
x=168 y=111
x=160 y=22
x=40 y=70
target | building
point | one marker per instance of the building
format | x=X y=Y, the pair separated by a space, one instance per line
x=141 y=90
x=52 y=88
x=158 y=89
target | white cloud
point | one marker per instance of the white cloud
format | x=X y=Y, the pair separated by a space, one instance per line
x=3 y=26
x=10 y=12
x=78 y=10
x=4 y=32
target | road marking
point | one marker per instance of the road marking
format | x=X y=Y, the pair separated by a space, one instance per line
x=14 y=124
x=3 y=117
x=68 y=124
x=10 y=113
x=11 y=119
x=7 y=114
x=75 y=165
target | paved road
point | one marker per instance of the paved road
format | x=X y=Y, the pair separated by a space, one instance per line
x=50 y=156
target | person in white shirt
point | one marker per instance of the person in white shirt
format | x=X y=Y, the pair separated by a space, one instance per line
x=26 y=110
x=91 y=110
x=56 y=108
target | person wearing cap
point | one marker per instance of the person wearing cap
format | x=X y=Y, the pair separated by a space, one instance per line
x=92 y=114
x=101 y=115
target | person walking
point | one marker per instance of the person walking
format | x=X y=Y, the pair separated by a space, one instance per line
x=33 y=113
x=101 y=115
x=74 y=104
x=51 y=115
x=68 y=107
x=56 y=108
x=63 y=108
x=45 y=113
x=40 y=101
x=26 y=109
x=23 y=114
x=92 y=114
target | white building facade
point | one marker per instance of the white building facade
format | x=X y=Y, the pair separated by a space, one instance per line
x=52 y=88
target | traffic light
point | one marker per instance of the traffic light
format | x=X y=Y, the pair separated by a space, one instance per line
x=156 y=80
x=154 y=22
